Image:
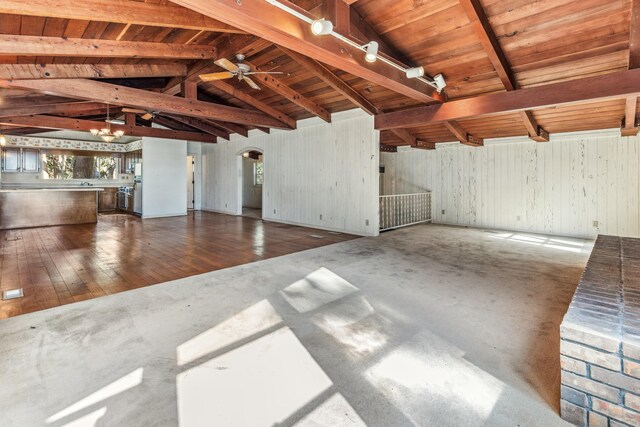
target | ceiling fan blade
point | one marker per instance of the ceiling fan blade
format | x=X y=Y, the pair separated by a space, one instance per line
x=133 y=110
x=216 y=76
x=226 y=64
x=251 y=83
x=147 y=116
x=264 y=72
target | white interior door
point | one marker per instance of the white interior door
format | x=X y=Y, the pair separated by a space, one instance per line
x=190 y=181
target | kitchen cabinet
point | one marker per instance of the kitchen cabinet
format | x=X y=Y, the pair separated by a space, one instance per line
x=20 y=159
x=129 y=161
x=107 y=200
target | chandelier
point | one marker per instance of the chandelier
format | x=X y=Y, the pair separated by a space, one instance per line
x=105 y=133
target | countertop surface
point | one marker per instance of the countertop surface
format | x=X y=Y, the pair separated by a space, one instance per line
x=48 y=189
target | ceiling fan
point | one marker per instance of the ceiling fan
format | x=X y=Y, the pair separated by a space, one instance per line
x=239 y=69
x=146 y=115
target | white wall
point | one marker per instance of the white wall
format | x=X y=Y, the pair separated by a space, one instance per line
x=251 y=194
x=164 y=177
x=328 y=169
x=559 y=187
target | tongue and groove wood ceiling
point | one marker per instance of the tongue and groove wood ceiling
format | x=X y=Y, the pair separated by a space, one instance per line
x=481 y=47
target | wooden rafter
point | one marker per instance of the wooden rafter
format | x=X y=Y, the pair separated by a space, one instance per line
x=118 y=11
x=279 y=27
x=89 y=71
x=52 y=122
x=603 y=87
x=73 y=107
x=489 y=41
x=462 y=135
x=278 y=86
x=120 y=95
x=634 y=35
x=201 y=125
x=630 y=122
x=254 y=102
x=89 y=48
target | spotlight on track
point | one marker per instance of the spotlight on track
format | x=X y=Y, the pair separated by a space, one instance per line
x=321 y=27
x=372 y=52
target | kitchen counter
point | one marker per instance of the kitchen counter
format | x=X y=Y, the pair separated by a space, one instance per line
x=38 y=207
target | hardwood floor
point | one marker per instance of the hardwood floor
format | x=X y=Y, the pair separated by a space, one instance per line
x=65 y=264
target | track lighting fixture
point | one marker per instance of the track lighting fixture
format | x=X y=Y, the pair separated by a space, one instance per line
x=3 y=140
x=438 y=79
x=321 y=27
x=415 y=72
x=372 y=52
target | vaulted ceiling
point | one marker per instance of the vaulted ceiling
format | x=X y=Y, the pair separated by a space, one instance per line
x=61 y=62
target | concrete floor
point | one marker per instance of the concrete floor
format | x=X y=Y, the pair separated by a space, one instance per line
x=428 y=325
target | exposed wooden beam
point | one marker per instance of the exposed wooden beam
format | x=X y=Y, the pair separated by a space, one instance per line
x=279 y=27
x=634 y=35
x=118 y=11
x=232 y=128
x=462 y=135
x=62 y=46
x=489 y=41
x=630 y=122
x=327 y=76
x=275 y=84
x=536 y=133
x=484 y=32
x=89 y=71
x=74 y=107
x=201 y=125
x=189 y=90
x=607 y=86
x=130 y=119
x=254 y=102
x=52 y=122
x=119 y=95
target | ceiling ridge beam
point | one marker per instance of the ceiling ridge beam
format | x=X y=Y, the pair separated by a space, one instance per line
x=53 y=122
x=279 y=27
x=137 y=98
x=118 y=11
x=89 y=71
x=602 y=87
x=70 y=47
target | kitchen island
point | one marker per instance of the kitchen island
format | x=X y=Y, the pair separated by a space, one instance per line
x=38 y=207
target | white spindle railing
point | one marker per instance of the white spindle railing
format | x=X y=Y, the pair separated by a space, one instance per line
x=402 y=210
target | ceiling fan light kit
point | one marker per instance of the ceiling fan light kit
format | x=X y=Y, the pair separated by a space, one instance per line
x=321 y=27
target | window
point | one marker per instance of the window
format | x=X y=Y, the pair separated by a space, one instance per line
x=258 y=174
x=71 y=166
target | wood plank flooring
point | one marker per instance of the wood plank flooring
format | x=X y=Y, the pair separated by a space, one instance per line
x=66 y=264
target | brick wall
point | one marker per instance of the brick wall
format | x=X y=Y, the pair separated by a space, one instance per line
x=600 y=339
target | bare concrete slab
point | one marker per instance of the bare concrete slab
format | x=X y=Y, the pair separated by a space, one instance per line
x=427 y=326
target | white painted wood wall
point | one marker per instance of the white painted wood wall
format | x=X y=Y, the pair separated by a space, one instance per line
x=328 y=169
x=560 y=187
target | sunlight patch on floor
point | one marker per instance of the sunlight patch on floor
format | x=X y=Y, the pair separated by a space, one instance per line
x=566 y=245
x=261 y=383
x=255 y=319
x=317 y=289
x=427 y=376
x=89 y=420
x=335 y=411
x=127 y=382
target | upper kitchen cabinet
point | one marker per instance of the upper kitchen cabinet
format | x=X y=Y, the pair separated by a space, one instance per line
x=129 y=161
x=20 y=160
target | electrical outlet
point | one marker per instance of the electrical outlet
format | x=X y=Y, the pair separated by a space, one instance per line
x=366 y=222
x=518 y=218
x=274 y=211
x=442 y=211
x=595 y=224
x=320 y=217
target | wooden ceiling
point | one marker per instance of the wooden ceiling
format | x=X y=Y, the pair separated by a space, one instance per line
x=481 y=47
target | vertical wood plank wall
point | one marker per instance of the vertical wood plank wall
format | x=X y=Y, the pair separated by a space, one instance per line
x=560 y=187
x=328 y=169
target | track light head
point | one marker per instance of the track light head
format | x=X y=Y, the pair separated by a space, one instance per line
x=372 y=52
x=415 y=72
x=438 y=79
x=321 y=27
x=3 y=140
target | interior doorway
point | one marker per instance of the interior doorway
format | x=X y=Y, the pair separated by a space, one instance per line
x=252 y=183
x=191 y=182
